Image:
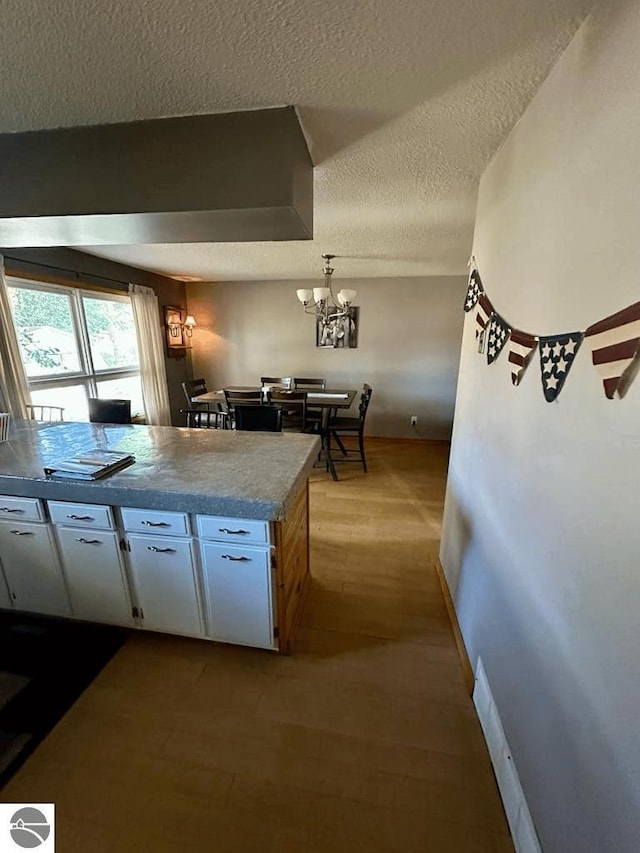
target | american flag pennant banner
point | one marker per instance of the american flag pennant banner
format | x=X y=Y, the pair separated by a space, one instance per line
x=474 y=290
x=522 y=346
x=557 y=354
x=483 y=313
x=499 y=332
x=615 y=342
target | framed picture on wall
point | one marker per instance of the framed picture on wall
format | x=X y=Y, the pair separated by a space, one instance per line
x=338 y=332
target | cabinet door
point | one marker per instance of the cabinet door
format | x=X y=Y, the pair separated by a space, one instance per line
x=32 y=569
x=164 y=583
x=93 y=568
x=238 y=591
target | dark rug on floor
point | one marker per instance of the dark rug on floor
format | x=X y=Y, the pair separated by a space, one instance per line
x=45 y=664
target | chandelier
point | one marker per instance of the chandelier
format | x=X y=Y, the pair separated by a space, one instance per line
x=321 y=301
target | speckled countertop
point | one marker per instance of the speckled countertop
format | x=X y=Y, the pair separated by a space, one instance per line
x=216 y=472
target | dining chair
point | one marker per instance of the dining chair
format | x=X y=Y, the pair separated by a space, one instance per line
x=313 y=384
x=206 y=418
x=294 y=409
x=276 y=381
x=233 y=397
x=39 y=412
x=340 y=427
x=109 y=411
x=193 y=388
x=258 y=418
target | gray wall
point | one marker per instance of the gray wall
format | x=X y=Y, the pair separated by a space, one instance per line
x=408 y=350
x=541 y=541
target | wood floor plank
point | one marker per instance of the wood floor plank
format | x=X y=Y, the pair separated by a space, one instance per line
x=365 y=738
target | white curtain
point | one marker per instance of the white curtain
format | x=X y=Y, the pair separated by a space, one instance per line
x=14 y=390
x=151 y=353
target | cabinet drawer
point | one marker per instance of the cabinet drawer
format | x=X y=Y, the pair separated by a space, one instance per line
x=232 y=529
x=81 y=515
x=21 y=509
x=156 y=522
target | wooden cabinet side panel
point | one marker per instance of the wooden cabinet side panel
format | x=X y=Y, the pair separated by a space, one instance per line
x=292 y=567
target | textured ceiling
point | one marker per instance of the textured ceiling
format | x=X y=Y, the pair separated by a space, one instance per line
x=403 y=103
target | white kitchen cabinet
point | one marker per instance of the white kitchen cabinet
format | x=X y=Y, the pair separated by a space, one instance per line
x=32 y=569
x=95 y=575
x=163 y=575
x=238 y=593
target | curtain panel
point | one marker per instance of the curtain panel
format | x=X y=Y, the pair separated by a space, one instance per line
x=153 y=374
x=14 y=388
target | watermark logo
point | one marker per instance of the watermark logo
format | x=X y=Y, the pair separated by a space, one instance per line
x=27 y=826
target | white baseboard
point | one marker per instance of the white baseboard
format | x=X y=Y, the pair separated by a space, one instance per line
x=523 y=832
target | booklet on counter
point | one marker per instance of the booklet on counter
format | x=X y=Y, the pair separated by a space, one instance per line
x=90 y=465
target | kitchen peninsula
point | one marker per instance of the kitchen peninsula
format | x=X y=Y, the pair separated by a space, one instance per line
x=205 y=535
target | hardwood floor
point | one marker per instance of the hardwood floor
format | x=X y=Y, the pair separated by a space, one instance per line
x=365 y=739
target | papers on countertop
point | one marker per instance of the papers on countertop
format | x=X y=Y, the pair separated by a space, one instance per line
x=90 y=465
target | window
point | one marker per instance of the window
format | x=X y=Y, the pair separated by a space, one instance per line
x=76 y=344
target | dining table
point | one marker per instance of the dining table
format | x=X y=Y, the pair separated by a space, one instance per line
x=328 y=400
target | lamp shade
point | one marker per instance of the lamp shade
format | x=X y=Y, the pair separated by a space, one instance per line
x=305 y=296
x=346 y=297
x=321 y=294
x=190 y=320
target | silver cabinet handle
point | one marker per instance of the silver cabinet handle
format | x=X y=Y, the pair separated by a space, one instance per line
x=233 y=532
x=22 y=532
x=9 y=509
x=88 y=541
x=236 y=559
x=81 y=517
x=155 y=523
x=161 y=550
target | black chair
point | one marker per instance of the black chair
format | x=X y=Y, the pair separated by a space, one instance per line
x=206 y=418
x=294 y=409
x=314 y=384
x=233 y=397
x=109 y=411
x=258 y=418
x=278 y=381
x=39 y=412
x=340 y=427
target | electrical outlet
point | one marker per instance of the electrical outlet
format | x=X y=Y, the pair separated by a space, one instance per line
x=414 y=420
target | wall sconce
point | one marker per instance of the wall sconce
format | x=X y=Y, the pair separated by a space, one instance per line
x=178 y=330
x=189 y=323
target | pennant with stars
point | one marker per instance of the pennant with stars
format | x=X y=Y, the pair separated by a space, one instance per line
x=615 y=343
x=521 y=347
x=483 y=315
x=499 y=332
x=474 y=290
x=557 y=354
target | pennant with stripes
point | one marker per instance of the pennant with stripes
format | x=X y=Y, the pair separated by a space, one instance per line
x=474 y=290
x=557 y=354
x=499 y=332
x=483 y=315
x=521 y=347
x=615 y=343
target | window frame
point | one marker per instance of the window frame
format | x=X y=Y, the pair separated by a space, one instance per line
x=87 y=375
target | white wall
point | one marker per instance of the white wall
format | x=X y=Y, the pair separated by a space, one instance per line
x=541 y=541
x=408 y=349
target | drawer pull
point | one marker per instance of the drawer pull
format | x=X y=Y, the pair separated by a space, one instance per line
x=10 y=509
x=22 y=532
x=81 y=517
x=88 y=541
x=161 y=550
x=233 y=532
x=236 y=559
x=155 y=523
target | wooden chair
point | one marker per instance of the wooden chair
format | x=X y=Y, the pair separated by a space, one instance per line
x=314 y=384
x=258 y=418
x=340 y=427
x=193 y=388
x=276 y=381
x=294 y=409
x=39 y=412
x=109 y=411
